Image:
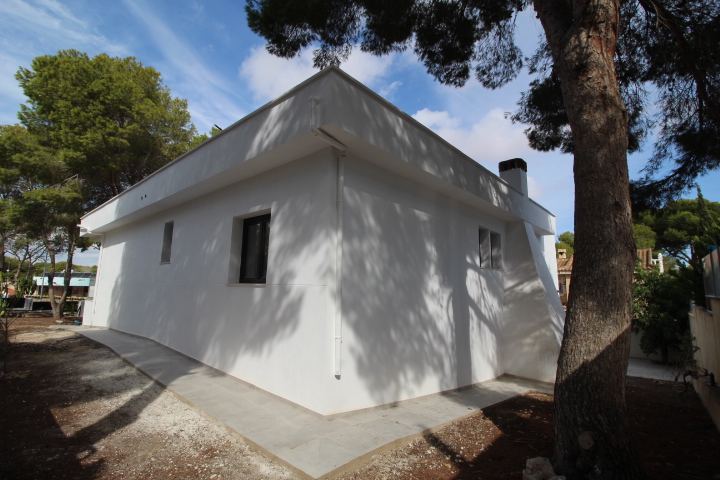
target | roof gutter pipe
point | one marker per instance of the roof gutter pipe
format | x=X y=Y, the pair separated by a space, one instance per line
x=339 y=219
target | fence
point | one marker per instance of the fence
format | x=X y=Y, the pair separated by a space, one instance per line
x=705 y=327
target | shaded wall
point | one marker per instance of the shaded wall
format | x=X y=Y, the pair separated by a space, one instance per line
x=419 y=314
x=275 y=335
x=533 y=314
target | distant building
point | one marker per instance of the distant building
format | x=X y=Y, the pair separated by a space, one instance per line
x=565 y=265
x=81 y=283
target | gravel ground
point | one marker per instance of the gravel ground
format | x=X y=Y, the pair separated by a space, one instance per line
x=92 y=415
x=74 y=410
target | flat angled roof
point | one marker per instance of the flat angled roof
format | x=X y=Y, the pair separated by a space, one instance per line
x=279 y=132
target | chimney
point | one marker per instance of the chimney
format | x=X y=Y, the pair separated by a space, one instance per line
x=562 y=253
x=514 y=171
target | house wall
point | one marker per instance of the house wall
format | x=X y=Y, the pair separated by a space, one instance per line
x=419 y=313
x=533 y=314
x=274 y=335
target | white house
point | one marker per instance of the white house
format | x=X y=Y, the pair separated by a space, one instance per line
x=331 y=250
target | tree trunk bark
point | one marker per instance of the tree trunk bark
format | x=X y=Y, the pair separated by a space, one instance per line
x=50 y=277
x=592 y=437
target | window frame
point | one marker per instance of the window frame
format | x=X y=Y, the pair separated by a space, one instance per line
x=166 y=252
x=262 y=253
x=490 y=249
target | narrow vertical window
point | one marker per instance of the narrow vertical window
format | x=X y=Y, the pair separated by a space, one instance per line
x=167 y=243
x=254 y=255
x=495 y=250
x=490 y=249
x=484 y=248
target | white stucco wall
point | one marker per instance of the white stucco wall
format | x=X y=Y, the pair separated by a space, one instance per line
x=419 y=314
x=533 y=314
x=274 y=336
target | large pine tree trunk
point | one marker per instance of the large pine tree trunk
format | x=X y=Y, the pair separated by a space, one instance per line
x=592 y=435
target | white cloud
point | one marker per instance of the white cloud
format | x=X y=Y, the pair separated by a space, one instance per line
x=11 y=95
x=488 y=140
x=534 y=189
x=29 y=28
x=52 y=21
x=437 y=120
x=389 y=91
x=269 y=76
x=210 y=96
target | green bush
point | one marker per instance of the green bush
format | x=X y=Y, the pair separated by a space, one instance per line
x=661 y=302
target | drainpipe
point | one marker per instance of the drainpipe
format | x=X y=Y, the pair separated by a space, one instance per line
x=339 y=218
x=340 y=202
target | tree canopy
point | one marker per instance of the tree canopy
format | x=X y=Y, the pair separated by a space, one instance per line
x=684 y=228
x=600 y=62
x=566 y=241
x=111 y=121
x=91 y=128
x=668 y=72
x=661 y=302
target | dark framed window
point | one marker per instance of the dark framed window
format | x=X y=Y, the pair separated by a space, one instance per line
x=167 y=243
x=254 y=253
x=490 y=249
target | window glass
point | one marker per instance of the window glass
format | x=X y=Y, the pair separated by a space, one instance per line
x=255 y=244
x=167 y=243
x=490 y=249
x=495 y=250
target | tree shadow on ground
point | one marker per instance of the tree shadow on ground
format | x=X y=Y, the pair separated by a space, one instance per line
x=38 y=417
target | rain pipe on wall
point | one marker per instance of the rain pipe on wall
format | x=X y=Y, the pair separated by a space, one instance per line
x=339 y=204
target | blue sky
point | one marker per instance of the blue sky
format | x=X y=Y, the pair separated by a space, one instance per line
x=208 y=55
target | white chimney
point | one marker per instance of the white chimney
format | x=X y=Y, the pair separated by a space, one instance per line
x=514 y=172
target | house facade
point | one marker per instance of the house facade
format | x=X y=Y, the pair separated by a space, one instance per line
x=333 y=251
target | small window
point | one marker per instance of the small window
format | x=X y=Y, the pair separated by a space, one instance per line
x=167 y=243
x=490 y=249
x=254 y=255
x=495 y=250
x=485 y=261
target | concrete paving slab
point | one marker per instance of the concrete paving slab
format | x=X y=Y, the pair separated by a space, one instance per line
x=311 y=444
x=645 y=368
x=318 y=457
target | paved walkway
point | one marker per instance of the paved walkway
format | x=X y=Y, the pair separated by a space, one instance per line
x=642 y=367
x=312 y=445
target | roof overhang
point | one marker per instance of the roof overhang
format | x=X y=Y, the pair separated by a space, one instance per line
x=280 y=132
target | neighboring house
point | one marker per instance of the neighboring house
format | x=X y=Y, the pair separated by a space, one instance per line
x=333 y=251
x=80 y=283
x=645 y=257
x=564 y=267
x=565 y=264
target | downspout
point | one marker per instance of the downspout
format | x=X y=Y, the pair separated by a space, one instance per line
x=340 y=202
x=339 y=218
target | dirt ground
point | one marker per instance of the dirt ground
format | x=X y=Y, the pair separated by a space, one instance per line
x=73 y=410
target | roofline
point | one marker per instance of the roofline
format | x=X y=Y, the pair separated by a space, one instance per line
x=326 y=71
x=244 y=119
